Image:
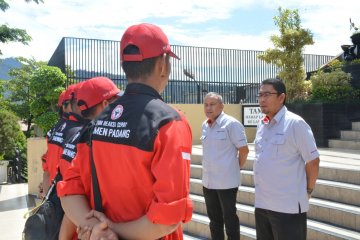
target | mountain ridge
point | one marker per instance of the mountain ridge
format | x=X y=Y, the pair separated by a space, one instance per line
x=5 y=65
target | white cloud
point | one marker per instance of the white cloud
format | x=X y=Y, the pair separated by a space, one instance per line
x=47 y=23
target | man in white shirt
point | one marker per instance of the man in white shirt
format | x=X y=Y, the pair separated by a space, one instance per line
x=225 y=151
x=285 y=168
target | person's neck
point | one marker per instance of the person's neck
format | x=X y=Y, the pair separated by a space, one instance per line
x=153 y=83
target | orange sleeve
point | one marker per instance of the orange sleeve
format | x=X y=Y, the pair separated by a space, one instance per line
x=72 y=183
x=171 y=169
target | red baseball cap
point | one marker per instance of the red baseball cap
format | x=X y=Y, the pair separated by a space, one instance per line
x=61 y=98
x=76 y=89
x=94 y=91
x=150 y=39
x=69 y=92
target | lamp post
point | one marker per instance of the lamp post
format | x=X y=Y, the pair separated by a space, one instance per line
x=192 y=76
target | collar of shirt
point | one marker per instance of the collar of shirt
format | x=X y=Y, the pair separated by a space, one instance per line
x=139 y=88
x=280 y=114
x=220 y=118
x=76 y=117
x=265 y=120
x=217 y=120
x=277 y=118
x=65 y=116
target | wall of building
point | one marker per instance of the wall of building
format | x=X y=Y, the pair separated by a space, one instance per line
x=194 y=113
x=36 y=147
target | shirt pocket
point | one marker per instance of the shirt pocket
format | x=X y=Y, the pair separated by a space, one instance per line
x=221 y=139
x=276 y=143
x=220 y=135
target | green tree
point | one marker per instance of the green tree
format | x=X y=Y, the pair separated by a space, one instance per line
x=11 y=136
x=8 y=34
x=46 y=83
x=12 y=139
x=287 y=54
x=20 y=95
x=3 y=101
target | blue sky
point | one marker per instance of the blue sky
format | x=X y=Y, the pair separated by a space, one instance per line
x=236 y=24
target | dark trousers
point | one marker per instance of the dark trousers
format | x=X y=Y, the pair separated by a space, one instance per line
x=272 y=225
x=221 y=209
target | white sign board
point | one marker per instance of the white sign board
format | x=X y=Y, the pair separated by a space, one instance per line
x=251 y=115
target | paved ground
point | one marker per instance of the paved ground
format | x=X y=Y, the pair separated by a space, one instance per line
x=14 y=203
x=14 y=199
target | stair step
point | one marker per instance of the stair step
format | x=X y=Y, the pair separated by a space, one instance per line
x=356 y=126
x=334 y=209
x=342 y=215
x=350 y=135
x=199 y=226
x=339 y=214
x=346 y=193
x=346 y=144
x=324 y=189
x=339 y=172
x=339 y=192
x=328 y=171
x=318 y=228
x=188 y=236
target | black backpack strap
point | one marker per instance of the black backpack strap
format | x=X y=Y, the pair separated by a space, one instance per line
x=95 y=182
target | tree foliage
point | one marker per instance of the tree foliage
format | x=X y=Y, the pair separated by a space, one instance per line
x=287 y=54
x=33 y=92
x=8 y=34
x=11 y=136
x=18 y=86
x=3 y=101
x=46 y=83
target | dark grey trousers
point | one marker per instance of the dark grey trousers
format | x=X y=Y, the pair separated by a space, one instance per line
x=221 y=209
x=272 y=225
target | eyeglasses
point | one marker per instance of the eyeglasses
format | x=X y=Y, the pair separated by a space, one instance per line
x=266 y=94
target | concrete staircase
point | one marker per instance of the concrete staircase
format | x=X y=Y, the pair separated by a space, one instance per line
x=334 y=208
x=349 y=139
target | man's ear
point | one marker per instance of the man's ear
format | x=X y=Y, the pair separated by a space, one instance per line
x=162 y=65
x=282 y=96
x=222 y=105
x=105 y=103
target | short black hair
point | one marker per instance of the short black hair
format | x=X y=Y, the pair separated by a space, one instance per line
x=137 y=69
x=277 y=84
x=89 y=112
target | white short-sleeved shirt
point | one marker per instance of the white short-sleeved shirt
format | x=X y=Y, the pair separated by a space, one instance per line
x=282 y=148
x=220 y=143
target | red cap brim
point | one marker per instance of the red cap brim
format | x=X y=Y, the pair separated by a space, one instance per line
x=171 y=54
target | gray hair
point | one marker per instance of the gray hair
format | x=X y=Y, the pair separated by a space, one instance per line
x=214 y=95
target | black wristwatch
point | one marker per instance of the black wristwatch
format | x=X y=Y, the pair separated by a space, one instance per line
x=309 y=190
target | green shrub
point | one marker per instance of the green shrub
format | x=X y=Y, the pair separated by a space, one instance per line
x=335 y=94
x=333 y=86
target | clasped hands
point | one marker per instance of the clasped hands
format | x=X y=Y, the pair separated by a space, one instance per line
x=96 y=226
